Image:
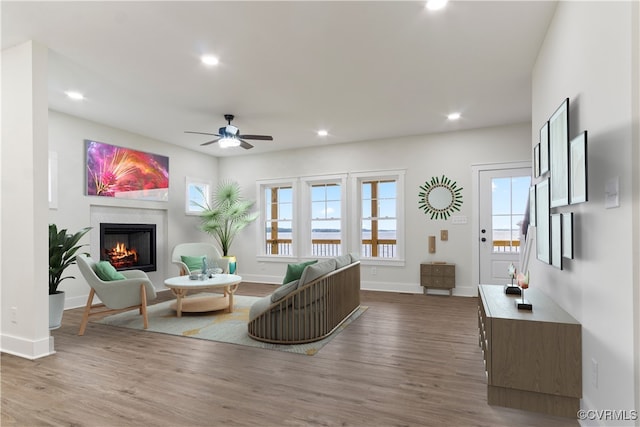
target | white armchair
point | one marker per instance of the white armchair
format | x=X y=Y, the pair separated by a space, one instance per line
x=196 y=250
x=117 y=295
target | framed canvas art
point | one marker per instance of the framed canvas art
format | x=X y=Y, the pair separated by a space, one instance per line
x=120 y=172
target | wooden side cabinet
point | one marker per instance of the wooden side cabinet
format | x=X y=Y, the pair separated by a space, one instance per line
x=533 y=358
x=438 y=276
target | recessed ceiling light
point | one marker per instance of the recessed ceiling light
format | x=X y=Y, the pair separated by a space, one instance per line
x=322 y=132
x=74 y=95
x=453 y=116
x=209 y=60
x=436 y=4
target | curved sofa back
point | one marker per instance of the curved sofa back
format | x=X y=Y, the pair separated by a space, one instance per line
x=311 y=312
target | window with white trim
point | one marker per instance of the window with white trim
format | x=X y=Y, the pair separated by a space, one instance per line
x=277 y=212
x=325 y=208
x=380 y=223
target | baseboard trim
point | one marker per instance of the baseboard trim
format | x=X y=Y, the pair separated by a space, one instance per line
x=28 y=349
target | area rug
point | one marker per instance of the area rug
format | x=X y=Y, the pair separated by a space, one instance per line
x=215 y=326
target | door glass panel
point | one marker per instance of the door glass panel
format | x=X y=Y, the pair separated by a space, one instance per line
x=508 y=202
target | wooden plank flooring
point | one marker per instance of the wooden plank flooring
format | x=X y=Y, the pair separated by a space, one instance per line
x=409 y=360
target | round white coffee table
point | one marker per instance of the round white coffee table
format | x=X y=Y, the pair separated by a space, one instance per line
x=181 y=285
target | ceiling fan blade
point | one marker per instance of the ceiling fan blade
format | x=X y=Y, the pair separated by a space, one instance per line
x=245 y=145
x=201 y=133
x=259 y=137
x=210 y=142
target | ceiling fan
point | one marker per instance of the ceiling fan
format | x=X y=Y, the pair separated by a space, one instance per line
x=229 y=136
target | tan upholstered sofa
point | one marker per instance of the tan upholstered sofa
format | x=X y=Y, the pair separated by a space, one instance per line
x=310 y=308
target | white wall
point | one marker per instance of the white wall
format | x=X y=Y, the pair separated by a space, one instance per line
x=66 y=138
x=423 y=157
x=587 y=56
x=25 y=304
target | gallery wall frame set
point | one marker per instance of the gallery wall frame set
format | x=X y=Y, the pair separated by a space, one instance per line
x=561 y=162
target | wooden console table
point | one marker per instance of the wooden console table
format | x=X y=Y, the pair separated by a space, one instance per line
x=533 y=358
x=438 y=275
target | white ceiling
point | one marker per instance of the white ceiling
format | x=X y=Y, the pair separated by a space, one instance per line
x=362 y=70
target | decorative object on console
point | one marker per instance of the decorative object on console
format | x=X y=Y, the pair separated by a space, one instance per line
x=512 y=289
x=114 y=171
x=523 y=282
x=440 y=197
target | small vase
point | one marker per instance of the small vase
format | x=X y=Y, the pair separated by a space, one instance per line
x=232 y=264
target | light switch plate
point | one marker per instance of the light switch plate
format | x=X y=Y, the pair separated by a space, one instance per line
x=459 y=219
x=444 y=235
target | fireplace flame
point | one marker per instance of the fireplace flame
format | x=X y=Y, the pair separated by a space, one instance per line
x=121 y=256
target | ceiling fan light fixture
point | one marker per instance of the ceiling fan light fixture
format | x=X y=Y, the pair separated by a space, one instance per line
x=228 y=142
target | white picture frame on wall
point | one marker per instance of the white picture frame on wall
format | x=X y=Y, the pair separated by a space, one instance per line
x=196 y=195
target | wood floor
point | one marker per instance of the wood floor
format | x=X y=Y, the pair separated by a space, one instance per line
x=409 y=360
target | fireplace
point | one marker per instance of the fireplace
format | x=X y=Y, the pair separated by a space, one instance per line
x=129 y=246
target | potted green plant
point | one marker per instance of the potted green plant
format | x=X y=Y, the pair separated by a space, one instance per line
x=226 y=215
x=63 y=247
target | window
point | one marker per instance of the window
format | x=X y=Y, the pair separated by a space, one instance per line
x=509 y=197
x=380 y=228
x=326 y=210
x=313 y=217
x=277 y=203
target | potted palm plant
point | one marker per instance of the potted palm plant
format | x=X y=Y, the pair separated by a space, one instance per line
x=226 y=215
x=63 y=247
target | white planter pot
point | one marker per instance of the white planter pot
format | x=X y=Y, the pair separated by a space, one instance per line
x=56 y=308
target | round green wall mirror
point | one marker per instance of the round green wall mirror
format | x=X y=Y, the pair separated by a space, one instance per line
x=440 y=197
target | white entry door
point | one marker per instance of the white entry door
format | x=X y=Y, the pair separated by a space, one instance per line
x=503 y=198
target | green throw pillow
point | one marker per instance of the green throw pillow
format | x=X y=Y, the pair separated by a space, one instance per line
x=294 y=271
x=193 y=262
x=108 y=272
